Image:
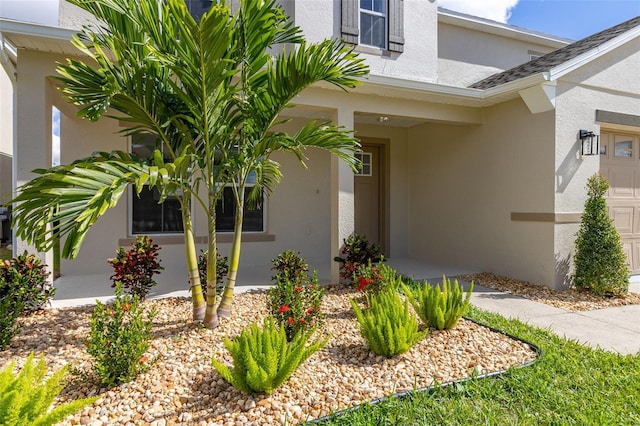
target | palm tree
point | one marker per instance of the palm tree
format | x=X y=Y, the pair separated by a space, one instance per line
x=210 y=92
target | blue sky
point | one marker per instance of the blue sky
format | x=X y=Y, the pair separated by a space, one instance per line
x=574 y=19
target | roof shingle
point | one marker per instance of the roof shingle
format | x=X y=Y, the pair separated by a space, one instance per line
x=557 y=57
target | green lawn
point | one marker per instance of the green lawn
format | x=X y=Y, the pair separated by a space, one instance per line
x=569 y=385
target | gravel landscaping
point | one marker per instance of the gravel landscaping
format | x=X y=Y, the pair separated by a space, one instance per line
x=570 y=299
x=182 y=387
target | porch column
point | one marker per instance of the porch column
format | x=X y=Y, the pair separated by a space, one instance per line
x=342 y=199
x=32 y=143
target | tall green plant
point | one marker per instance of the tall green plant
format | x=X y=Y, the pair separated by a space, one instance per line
x=387 y=324
x=26 y=398
x=600 y=262
x=263 y=359
x=440 y=307
x=211 y=91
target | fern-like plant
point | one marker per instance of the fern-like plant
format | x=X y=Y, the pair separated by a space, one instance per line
x=262 y=357
x=25 y=398
x=440 y=308
x=387 y=325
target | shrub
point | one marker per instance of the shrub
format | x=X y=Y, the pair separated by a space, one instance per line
x=222 y=269
x=290 y=265
x=263 y=359
x=387 y=325
x=10 y=310
x=356 y=251
x=26 y=398
x=24 y=278
x=295 y=302
x=375 y=278
x=135 y=268
x=119 y=338
x=600 y=262
x=440 y=308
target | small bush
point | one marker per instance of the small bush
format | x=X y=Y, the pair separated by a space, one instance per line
x=24 y=278
x=222 y=269
x=119 y=338
x=291 y=266
x=295 y=302
x=356 y=251
x=135 y=268
x=10 y=310
x=26 y=398
x=600 y=262
x=375 y=278
x=263 y=359
x=387 y=325
x=439 y=308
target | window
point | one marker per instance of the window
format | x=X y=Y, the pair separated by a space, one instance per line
x=149 y=217
x=377 y=23
x=366 y=160
x=624 y=149
x=373 y=23
x=253 y=219
x=197 y=8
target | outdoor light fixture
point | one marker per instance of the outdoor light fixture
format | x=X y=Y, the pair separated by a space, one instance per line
x=383 y=119
x=590 y=142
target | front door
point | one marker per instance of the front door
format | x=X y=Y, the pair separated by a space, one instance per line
x=367 y=185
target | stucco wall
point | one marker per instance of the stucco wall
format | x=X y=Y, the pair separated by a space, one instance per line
x=464 y=183
x=608 y=83
x=320 y=19
x=466 y=56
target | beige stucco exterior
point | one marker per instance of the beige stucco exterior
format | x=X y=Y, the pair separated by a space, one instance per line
x=490 y=179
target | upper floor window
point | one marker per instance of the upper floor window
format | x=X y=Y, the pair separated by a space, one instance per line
x=378 y=23
x=373 y=23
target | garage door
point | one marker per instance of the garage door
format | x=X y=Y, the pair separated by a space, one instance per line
x=620 y=164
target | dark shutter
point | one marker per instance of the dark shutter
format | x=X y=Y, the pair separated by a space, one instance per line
x=396 y=25
x=349 y=28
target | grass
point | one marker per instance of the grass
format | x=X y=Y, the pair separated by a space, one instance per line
x=569 y=385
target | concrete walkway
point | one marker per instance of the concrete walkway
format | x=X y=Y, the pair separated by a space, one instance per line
x=612 y=329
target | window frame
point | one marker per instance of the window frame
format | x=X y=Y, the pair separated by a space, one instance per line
x=130 y=213
x=375 y=14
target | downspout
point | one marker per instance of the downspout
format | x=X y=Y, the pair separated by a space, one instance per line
x=12 y=71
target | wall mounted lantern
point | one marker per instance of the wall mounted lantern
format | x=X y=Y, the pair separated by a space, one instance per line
x=590 y=142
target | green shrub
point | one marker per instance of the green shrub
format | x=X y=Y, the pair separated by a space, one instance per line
x=120 y=335
x=26 y=398
x=10 y=310
x=222 y=268
x=373 y=278
x=387 y=325
x=440 y=308
x=600 y=262
x=295 y=302
x=263 y=359
x=356 y=251
x=135 y=268
x=24 y=278
x=289 y=265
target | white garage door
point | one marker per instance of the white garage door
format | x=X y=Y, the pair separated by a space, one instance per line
x=620 y=164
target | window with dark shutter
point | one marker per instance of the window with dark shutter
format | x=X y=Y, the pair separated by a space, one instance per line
x=378 y=23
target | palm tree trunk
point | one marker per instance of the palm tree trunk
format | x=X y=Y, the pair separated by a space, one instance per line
x=211 y=315
x=224 y=310
x=197 y=299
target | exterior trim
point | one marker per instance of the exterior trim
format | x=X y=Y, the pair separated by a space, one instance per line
x=396 y=26
x=220 y=238
x=349 y=29
x=617 y=118
x=546 y=217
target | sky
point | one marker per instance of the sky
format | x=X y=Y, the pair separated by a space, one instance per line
x=573 y=19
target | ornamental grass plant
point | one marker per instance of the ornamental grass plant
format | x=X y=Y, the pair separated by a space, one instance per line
x=26 y=397
x=439 y=307
x=387 y=324
x=263 y=358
